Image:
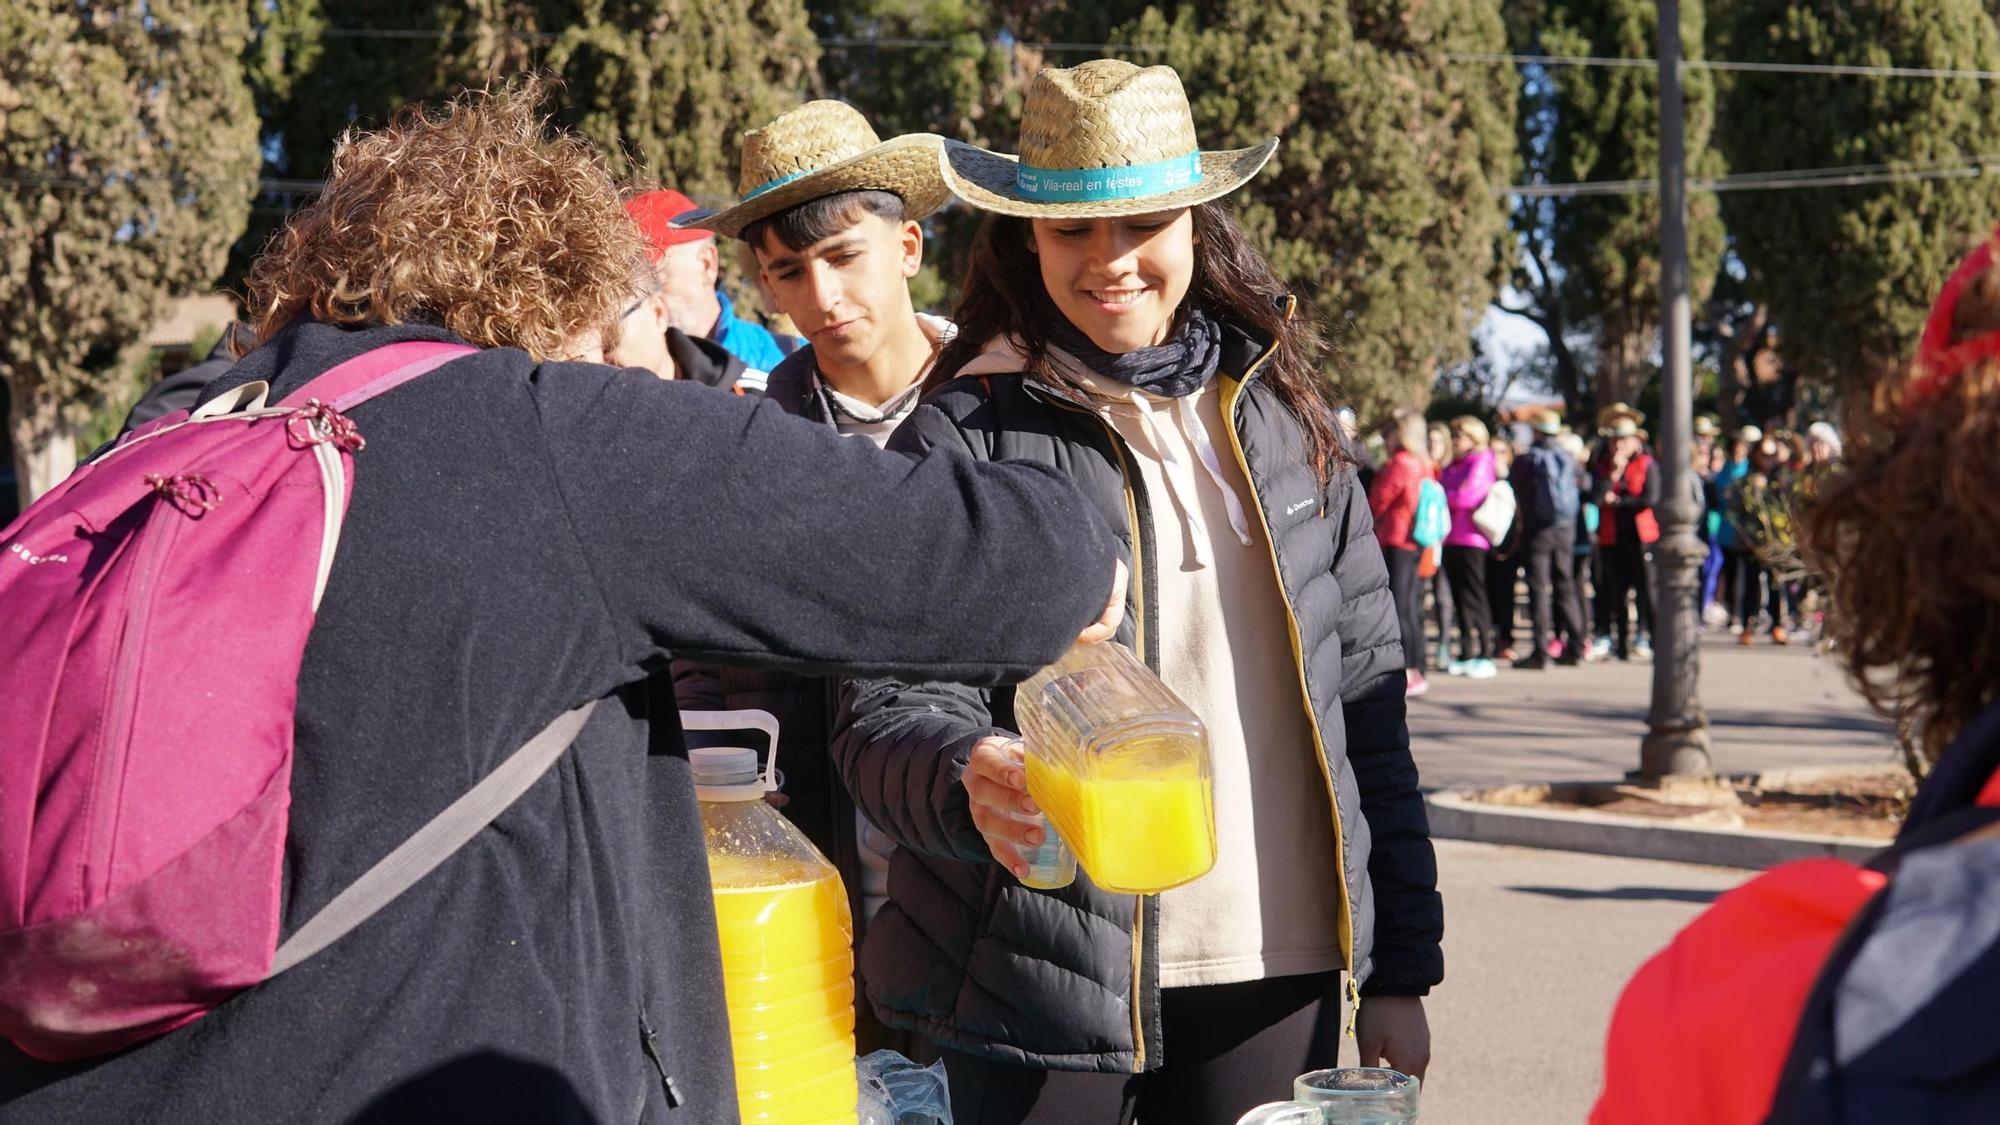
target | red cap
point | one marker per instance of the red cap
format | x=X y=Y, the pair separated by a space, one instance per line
x=655 y=212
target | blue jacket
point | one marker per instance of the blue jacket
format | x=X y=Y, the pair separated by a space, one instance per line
x=749 y=341
x=1726 y=535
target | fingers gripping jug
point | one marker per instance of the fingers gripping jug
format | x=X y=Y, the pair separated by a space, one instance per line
x=787 y=939
x=1121 y=766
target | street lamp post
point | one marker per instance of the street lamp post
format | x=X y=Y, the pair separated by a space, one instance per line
x=1676 y=742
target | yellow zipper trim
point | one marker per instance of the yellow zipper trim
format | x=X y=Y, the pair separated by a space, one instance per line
x=1138 y=589
x=1232 y=395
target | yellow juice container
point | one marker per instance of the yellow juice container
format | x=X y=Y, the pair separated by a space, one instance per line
x=1121 y=767
x=787 y=940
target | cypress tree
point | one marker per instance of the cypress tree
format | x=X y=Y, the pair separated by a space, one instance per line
x=1849 y=272
x=128 y=157
x=1594 y=260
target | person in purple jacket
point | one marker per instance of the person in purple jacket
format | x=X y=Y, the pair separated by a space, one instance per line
x=1467 y=482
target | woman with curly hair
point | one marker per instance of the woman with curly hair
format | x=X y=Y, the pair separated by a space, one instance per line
x=1825 y=991
x=530 y=532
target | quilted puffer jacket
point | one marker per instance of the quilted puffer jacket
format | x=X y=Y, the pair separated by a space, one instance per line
x=1069 y=980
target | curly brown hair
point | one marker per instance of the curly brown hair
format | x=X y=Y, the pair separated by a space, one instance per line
x=475 y=216
x=1906 y=534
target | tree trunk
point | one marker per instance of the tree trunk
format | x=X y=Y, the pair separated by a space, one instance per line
x=44 y=444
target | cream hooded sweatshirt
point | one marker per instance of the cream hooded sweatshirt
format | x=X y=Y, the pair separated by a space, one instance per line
x=1268 y=907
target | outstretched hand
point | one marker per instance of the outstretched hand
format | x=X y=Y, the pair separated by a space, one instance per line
x=1393 y=1031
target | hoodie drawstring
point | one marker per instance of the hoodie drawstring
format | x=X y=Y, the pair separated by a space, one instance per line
x=1190 y=507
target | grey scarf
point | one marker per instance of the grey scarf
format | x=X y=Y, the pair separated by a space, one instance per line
x=1175 y=369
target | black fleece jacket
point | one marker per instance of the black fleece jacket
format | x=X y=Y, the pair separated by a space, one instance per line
x=523 y=538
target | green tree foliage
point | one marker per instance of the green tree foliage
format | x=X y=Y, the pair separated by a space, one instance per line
x=128 y=157
x=1382 y=206
x=1850 y=271
x=1592 y=262
x=665 y=87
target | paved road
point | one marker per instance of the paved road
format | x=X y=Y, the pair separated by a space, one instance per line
x=1768 y=707
x=1537 y=946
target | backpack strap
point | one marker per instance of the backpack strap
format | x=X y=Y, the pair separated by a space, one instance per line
x=434 y=843
x=374 y=372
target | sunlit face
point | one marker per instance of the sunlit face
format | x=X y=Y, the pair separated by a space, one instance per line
x=642 y=335
x=1626 y=447
x=845 y=292
x=1118 y=280
x=687 y=273
x=1462 y=443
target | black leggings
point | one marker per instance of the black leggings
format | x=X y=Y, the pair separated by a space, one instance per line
x=1407 y=590
x=1465 y=567
x=1228 y=1047
x=1626 y=569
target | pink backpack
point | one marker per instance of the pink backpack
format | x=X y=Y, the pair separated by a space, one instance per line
x=157 y=606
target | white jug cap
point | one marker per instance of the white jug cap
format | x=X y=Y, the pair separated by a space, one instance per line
x=726 y=773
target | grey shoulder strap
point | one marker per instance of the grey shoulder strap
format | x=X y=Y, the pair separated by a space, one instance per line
x=434 y=843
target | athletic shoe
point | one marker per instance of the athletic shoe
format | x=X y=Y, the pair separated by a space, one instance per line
x=1416 y=685
x=1746 y=638
x=1779 y=636
x=1480 y=670
x=1600 y=648
x=1458 y=667
x=1532 y=663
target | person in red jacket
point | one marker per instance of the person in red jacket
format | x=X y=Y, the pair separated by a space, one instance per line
x=1392 y=498
x=1627 y=490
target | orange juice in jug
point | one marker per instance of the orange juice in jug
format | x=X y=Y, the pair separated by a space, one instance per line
x=787 y=938
x=1121 y=767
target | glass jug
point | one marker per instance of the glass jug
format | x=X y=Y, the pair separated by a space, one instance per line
x=1350 y=1095
x=1121 y=766
x=786 y=934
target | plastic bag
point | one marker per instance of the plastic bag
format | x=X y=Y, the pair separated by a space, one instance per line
x=896 y=1091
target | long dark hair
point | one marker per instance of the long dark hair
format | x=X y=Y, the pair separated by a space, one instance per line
x=1002 y=295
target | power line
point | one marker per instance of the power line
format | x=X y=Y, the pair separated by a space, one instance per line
x=1856 y=175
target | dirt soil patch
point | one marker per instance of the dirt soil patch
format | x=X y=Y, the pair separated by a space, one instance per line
x=1864 y=803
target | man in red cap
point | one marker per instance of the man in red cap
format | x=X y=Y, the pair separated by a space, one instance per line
x=686 y=264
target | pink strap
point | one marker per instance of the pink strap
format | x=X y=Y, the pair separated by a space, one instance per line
x=375 y=372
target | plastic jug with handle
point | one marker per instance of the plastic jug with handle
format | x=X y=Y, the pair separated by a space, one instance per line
x=786 y=935
x=1348 y=1095
x=1121 y=766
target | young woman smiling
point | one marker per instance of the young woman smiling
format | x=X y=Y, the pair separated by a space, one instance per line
x=1116 y=325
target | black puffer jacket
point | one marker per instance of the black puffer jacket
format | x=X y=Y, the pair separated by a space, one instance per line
x=1068 y=980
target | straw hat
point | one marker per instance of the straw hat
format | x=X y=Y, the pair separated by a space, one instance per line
x=1546 y=422
x=1098 y=141
x=823 y=148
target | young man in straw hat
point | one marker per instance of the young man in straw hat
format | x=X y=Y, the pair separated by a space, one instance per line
x=830 y=212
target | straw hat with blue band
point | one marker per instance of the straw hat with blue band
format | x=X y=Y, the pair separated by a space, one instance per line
x=823 y=148
x=1099 y=141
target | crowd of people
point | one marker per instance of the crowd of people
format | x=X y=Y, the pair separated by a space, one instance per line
x=1122 y=431
x=1576 y=523
x=624 y=497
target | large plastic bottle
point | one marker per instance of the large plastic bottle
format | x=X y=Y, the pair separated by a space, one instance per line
x=1121 y=766
x=787 y=939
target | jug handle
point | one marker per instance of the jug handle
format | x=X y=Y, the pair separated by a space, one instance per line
x=762 y=721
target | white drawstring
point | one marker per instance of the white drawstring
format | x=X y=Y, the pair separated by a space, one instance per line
x=1169 y=454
